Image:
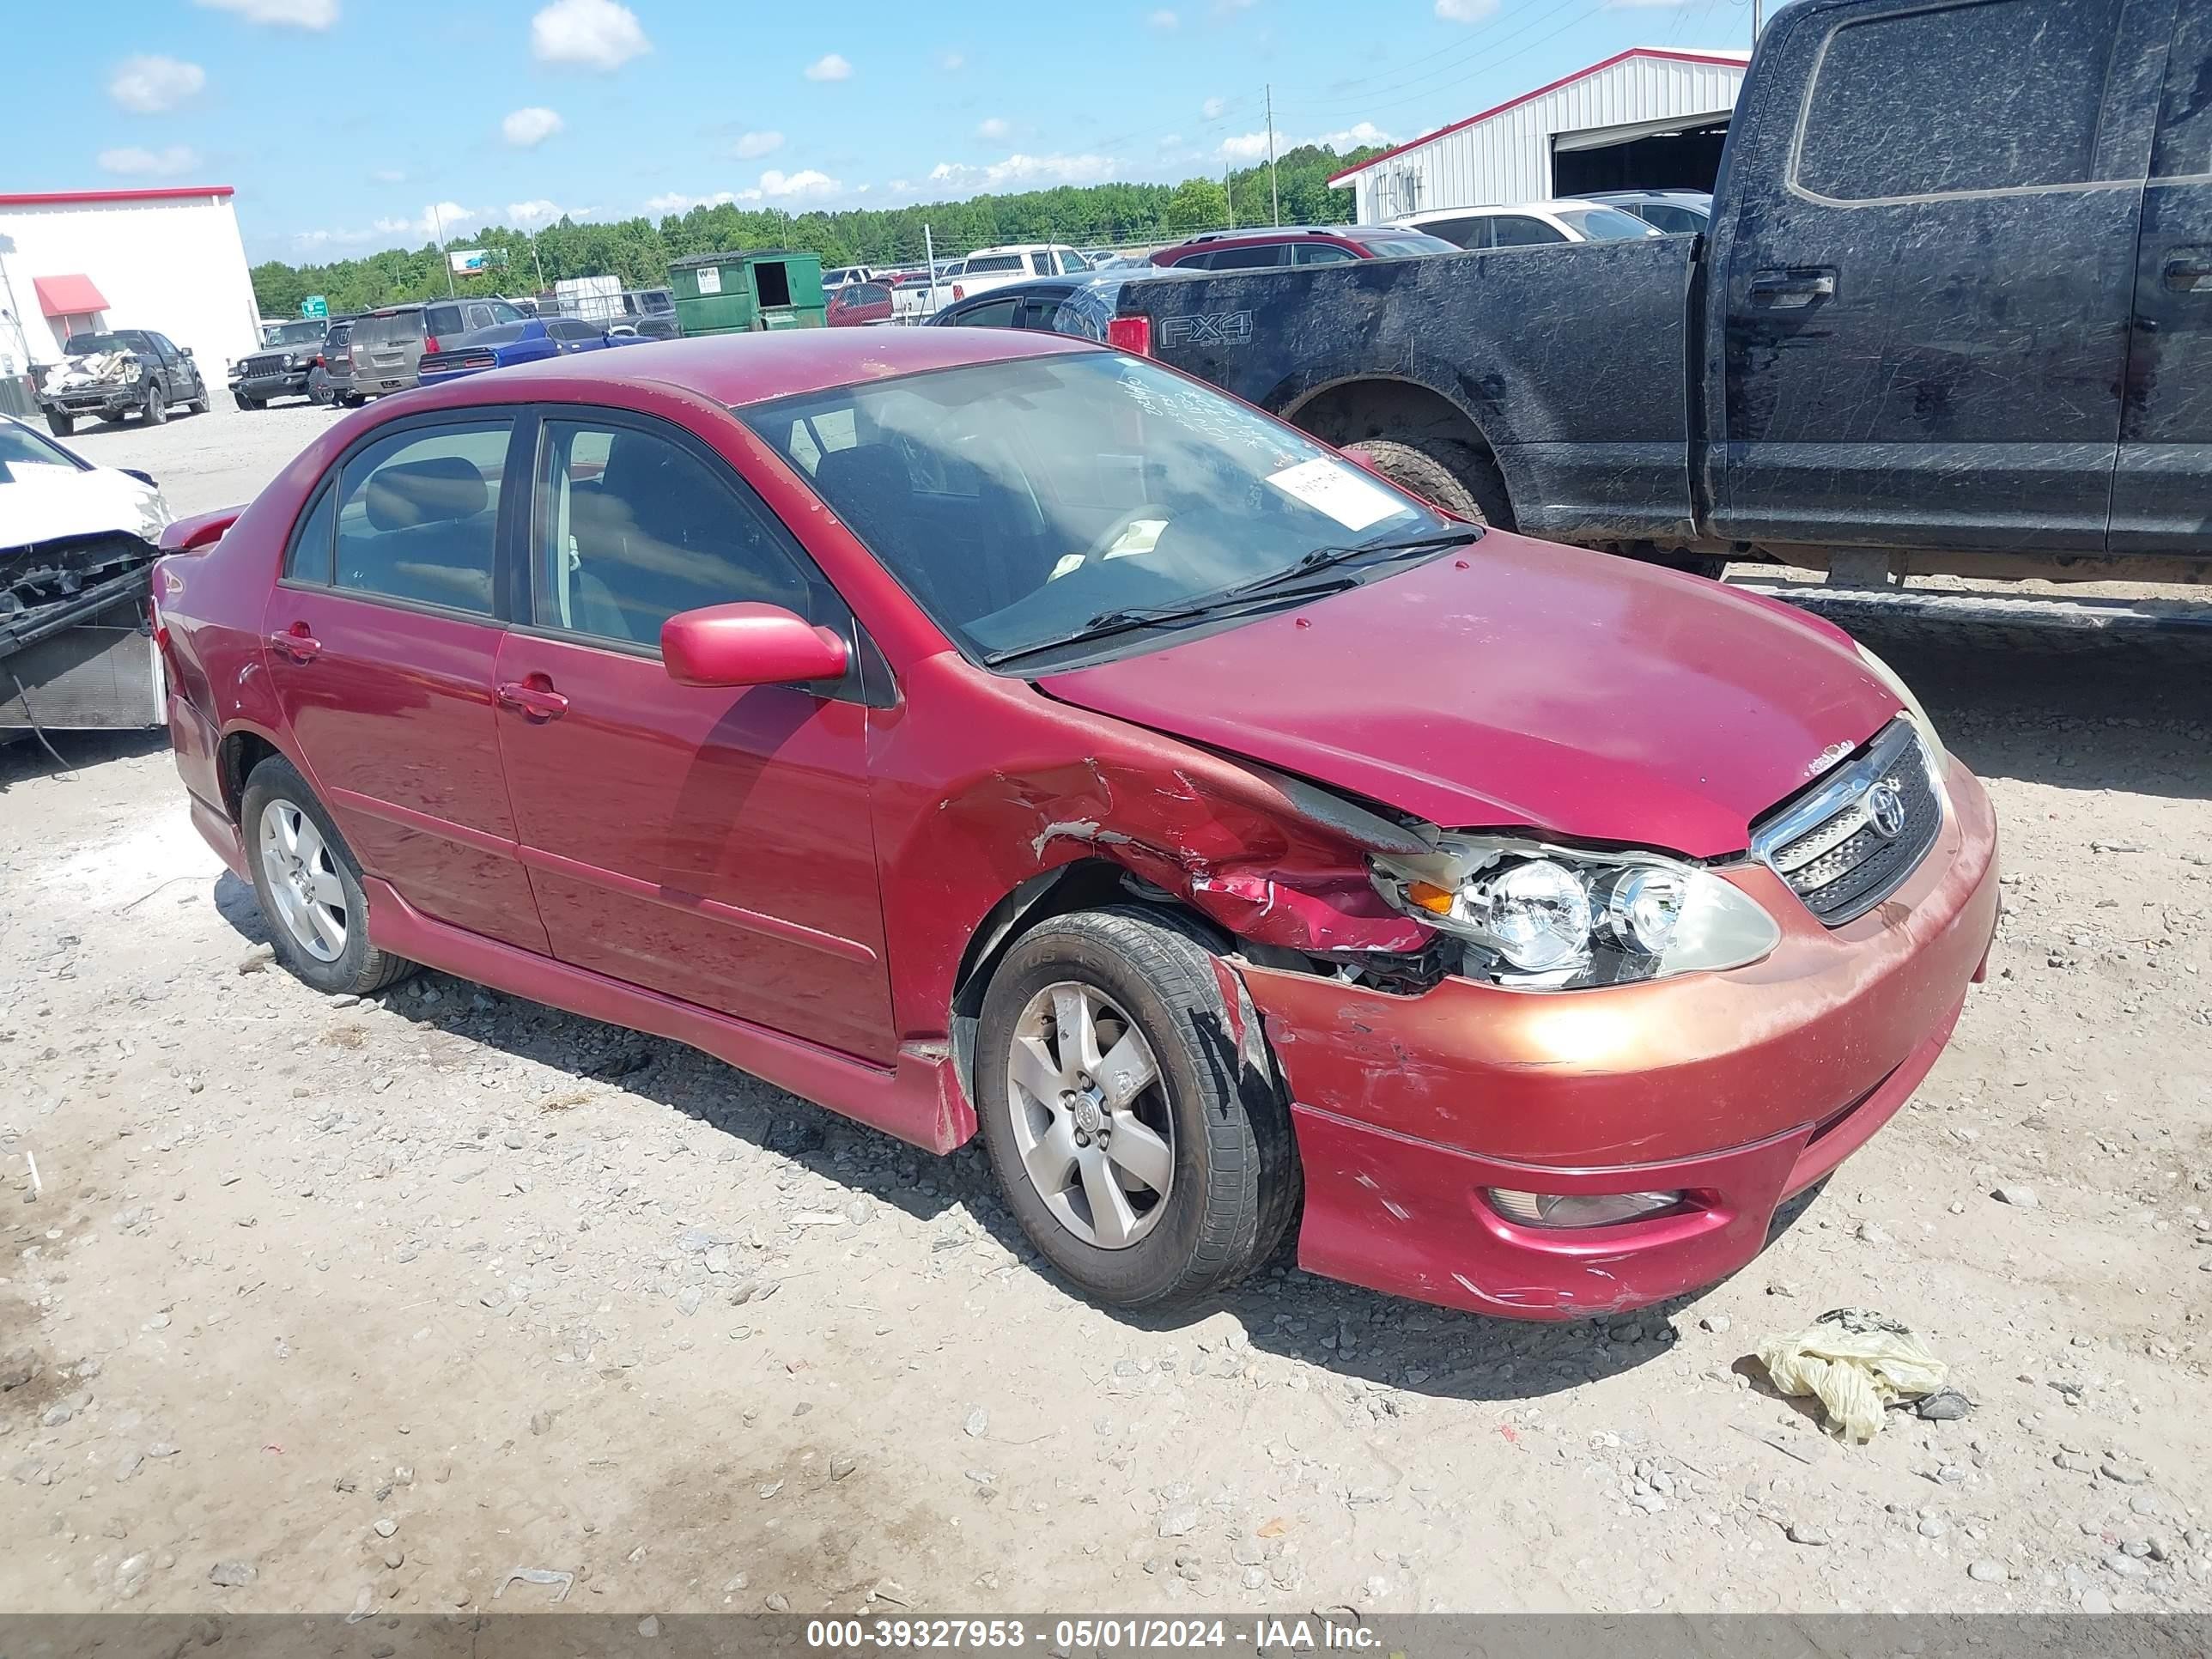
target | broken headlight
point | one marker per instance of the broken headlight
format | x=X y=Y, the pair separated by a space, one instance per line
x=1543 y=918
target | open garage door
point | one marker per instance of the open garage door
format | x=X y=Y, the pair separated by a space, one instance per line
x=1671 y=154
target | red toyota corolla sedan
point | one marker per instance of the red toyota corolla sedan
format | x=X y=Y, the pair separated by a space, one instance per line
x=977 y=730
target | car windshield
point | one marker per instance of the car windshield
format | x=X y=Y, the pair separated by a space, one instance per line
x=1021 y=502
x=1604 y=224
x=20 y=449
x=79 y=345
x=291 y=333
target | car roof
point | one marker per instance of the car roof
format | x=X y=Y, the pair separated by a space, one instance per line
x=736 y=370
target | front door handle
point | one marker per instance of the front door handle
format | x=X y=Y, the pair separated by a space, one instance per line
x=297 y=643
x=2189 y=269
x=1791 y=290
x=535 y=697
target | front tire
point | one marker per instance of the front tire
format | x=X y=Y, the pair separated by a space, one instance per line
x=59 y=424
x=309 y=886
x=1147 y=1155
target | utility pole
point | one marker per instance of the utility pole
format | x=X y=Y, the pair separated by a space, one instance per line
x=1228 y=189
x=1754 y=22
x=438 y=225
x=539 y=263
x=1274 y=197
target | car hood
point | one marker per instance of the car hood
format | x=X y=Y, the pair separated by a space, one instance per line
x=1521 y=684
x=45 y=503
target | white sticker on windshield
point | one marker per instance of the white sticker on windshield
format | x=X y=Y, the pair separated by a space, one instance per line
x=1337 y=489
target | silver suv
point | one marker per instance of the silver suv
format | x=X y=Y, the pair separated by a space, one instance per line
x=389 y=341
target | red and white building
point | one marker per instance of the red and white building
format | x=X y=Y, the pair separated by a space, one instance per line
x=168 y=259
x=1648 y=118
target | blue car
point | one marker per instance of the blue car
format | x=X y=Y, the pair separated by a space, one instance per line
x=505 y=345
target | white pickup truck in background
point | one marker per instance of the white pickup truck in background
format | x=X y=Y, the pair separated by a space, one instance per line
x=985 y=269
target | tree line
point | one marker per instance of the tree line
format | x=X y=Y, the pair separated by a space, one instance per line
x=639 y=250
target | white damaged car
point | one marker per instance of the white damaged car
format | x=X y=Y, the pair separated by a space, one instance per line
x=77 y=546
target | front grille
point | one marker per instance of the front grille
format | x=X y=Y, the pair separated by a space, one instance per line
x=1850 y=842
x=275 y=363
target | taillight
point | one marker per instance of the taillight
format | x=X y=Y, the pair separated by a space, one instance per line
x=429 y=342
x=1131 y=334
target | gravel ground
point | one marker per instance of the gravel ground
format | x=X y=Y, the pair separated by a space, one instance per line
x=326 y=1305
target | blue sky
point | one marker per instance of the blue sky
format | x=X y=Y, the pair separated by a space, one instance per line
x=342 y=122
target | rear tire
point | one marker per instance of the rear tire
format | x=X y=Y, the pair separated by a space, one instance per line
x=157 y=406
x=309 y=886
x=60 y=425
x=1168 y=1091
x=1449 y=473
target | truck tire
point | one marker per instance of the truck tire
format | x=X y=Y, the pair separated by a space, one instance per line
x=1149 y=1193
x=247 y=403
x=59 y=424
x=1450 y=474
x=318 y=389
x=197 y=406
x=157 y=405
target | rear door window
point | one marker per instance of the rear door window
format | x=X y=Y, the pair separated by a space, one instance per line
x=1519 y=230
x=418 y=513
x=1994 y=94
x=1256 y=257
x=1322 y=253
x=1474 y=231
x=995 y=313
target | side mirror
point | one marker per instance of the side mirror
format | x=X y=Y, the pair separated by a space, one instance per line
x=748 y=644
x=187 y=350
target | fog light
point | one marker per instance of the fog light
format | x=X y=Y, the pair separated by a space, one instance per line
x=1578 y=1209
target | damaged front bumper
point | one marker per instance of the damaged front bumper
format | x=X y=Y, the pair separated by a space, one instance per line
x=1736 y=1089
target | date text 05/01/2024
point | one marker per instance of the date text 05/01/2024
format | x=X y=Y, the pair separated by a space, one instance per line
x=1091 y=1636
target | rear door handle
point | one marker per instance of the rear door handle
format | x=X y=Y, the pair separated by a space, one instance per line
x=2189 y=269
x=539 y=702
x=1791 y=290
x=297 y=643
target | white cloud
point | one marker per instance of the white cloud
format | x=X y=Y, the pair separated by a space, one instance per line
x=952 y=61
x=531 y=215
x=1164 y=19
x=390 y=175
x=150 y=85
x=1212 y=108
x=287 y=13
x=1247 y=148
x=796 y=186
x=830 y=67
x=1465 y=11
x=598 y=34
x=752 y=145
x=1024 y=170
x=155 y=164
x=445 y=219
x=993 y=128
x=527 y=129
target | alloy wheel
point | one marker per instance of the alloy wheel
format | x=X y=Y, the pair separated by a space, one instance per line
x=302 y=881
x=1090 y=1115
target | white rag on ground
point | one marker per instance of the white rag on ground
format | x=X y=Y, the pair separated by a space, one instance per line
x=1858 y=1363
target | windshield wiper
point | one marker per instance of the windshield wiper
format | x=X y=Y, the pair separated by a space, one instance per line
x=1282 y=584
x=1106 y=623
x=1322 y=557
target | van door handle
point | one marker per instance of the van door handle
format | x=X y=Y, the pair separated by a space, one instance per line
x=540 y=702
x=1791 y=290
x=2189 y=270
x=297 y=643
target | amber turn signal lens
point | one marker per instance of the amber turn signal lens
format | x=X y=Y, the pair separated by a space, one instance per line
x=1429 y=896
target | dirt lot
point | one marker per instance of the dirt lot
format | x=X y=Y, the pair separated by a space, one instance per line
x=325 y=1305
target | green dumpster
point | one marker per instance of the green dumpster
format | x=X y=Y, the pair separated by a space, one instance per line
x=744 y=293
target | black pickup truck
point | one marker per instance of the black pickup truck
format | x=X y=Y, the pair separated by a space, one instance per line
x=1954 y=313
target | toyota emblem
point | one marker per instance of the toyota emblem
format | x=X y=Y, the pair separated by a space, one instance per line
x=1885 y=809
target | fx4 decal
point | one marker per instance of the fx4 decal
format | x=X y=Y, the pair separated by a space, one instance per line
x=1209 y=328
